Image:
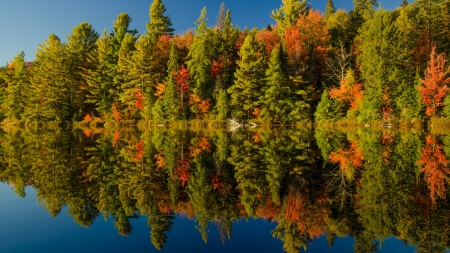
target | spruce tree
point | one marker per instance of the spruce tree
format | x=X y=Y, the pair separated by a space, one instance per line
x=199 y=63
x=275 y=101
x=159 y=23
x=329 y=9
x=171 y=97
x=249 y=79
x=289 y=12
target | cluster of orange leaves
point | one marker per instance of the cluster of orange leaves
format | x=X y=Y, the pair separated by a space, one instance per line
x=269 y=211
x=160 y=90
x=434 y=164
x=348 y=158
x=216 y=182
x=269 y=39
x=348 y=93
x=256 y=112
x=182 y=171
x=310 y=219
x=116 y=112
x=309 y=32
x=434 y=87
x=116 y=138
x=139 y=151
x=202 y=105
x=139 y=102
x=160 y=160
x=203 y=144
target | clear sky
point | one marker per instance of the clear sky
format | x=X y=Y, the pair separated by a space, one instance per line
x=26 y=23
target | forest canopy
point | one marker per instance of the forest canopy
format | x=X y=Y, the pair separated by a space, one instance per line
x=363 y=65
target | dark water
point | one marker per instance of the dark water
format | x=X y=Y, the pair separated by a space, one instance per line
x=259 y=190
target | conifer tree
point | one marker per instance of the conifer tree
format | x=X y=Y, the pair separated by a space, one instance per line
x=159 y=24
x=199 y=64
x=324 y=111
x=249 y=79
x=329 y=9
x=17 y=91
x=50 y=73
x=289 y=12
x=276 y=103
x=171 y=98
x=81 y=45
x=101 y=80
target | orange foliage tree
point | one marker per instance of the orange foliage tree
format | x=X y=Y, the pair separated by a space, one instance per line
x=269 y=39
x=434 y=87
x=139 y=102
x=434 y=164
x=348 y=91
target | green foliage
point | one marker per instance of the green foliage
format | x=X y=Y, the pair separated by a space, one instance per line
x=288 y=13
x=171 y=96
x=249 y=79
x=159 y=23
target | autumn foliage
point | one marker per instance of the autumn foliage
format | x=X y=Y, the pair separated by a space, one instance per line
x=139 y=99
x=434 y=87
x=349 y=159
x=434 y=164
x=348 y=91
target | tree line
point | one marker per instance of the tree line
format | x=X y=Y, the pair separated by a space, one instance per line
x=363 y=65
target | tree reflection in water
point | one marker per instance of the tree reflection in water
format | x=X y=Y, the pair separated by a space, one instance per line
x=369 y=184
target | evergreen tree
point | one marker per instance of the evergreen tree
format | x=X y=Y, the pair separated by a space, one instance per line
x=377 y=66
x=50 y=71
x=101 y=80
x=159 y=23
x=17 y=92
x=81 y=45
x=329 y=9
x=171 y=97
x=289 y=12
x=249 y=79
x=199 y=63
x=276 y=102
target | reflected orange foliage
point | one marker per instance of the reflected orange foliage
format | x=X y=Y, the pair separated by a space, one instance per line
x=269 y=211
x=434 y=164
x=139 y=153
x=310 y=219
x=116 y=138
x=352 y=157
x=116 y=112
x=203 y=144
x=139 y=102
x=182 y=171
x=160 y=160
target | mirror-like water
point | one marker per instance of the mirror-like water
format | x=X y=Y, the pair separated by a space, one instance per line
x=315 y=190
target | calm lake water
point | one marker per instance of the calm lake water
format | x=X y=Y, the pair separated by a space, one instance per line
x=259 y=190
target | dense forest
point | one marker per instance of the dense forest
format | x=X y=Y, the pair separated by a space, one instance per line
x=363 y=65
x=311 y=183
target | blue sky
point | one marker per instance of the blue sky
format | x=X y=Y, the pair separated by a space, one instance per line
x=26 y=23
